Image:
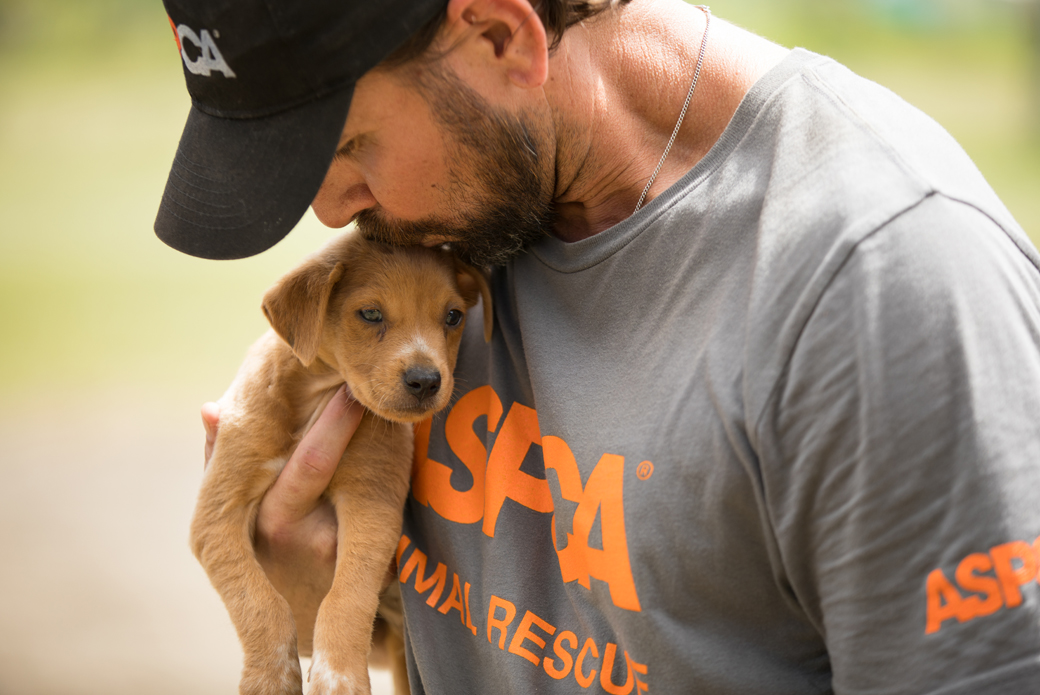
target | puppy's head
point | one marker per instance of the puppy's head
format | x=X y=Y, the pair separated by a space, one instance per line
x=388 y=319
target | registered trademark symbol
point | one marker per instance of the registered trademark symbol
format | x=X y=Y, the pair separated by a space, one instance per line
x=644 y=470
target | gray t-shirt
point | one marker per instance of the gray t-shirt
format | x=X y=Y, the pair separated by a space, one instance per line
x=779 y=432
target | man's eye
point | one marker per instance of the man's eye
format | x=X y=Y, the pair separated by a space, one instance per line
x=371 y=315
x=454 y=316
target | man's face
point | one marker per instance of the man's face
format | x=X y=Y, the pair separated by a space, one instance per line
x=424 y=159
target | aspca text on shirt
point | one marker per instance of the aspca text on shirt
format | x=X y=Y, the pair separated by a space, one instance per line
x=982 y=584
x=560 y=651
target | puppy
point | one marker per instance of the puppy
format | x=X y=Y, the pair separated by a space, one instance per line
x=387 y=321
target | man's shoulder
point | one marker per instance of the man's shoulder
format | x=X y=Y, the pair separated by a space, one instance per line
x=816 y=161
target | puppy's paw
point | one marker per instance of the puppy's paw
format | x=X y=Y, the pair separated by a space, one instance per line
x=326 y=680
x=281 y=677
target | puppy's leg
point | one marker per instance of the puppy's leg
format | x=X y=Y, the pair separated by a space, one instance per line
x=368 y=492
x=221 y=540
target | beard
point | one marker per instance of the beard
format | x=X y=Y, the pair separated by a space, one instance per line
x=504 y=204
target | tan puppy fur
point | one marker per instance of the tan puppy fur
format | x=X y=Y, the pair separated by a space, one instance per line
x=387 y=321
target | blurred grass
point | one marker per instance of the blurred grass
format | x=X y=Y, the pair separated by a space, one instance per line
x=969 y=64
x=92 y=106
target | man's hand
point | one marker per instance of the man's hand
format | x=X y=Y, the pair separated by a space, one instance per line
x=296 y=529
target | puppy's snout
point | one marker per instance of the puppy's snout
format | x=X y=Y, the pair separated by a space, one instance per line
x=422 y=382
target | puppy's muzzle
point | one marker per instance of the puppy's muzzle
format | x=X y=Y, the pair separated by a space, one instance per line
x=422 y=382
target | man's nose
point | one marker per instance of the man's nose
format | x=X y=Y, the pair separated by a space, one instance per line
x=342 y=195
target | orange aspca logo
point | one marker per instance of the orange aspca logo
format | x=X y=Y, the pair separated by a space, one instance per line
x=497 y=477
x=992 y=581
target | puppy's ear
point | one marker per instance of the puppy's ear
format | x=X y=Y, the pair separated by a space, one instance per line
x=472 y=284
x=297 y=304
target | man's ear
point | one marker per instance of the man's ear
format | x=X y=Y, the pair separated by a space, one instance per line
x=473 y=284
x=511 y=30
x=296 y=306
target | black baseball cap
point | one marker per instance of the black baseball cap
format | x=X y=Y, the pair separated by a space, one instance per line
x=270 y=84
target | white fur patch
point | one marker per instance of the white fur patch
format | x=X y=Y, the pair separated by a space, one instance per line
x=329 y=681
x=417 y=346
x=276 y=465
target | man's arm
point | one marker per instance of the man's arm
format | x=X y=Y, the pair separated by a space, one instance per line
x=901 y=455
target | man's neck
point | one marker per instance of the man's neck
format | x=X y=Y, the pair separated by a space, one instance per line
x=616 y=86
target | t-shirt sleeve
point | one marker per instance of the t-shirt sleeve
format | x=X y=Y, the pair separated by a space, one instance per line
x=900 y=459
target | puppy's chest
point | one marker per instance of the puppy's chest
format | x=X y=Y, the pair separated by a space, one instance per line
x=375 y=438
x=378 y=440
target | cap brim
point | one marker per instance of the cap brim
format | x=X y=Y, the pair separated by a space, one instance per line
x=238 y=186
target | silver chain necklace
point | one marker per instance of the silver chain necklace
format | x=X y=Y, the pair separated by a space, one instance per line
x=682 y=115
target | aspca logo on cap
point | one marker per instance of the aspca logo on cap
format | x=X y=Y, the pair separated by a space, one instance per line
x=209 y=58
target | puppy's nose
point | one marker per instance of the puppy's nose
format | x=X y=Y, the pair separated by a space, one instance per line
x=422 y=383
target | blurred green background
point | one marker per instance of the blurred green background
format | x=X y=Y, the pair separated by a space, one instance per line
x=92 y=103
x=109 y=341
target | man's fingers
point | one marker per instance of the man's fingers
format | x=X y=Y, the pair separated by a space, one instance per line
x=211 y=421
x=305 y=477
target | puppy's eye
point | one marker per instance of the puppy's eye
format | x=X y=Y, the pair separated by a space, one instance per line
x=371 y=315
x=454 y=316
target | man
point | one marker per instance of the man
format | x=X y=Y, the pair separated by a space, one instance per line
x=759 y=414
